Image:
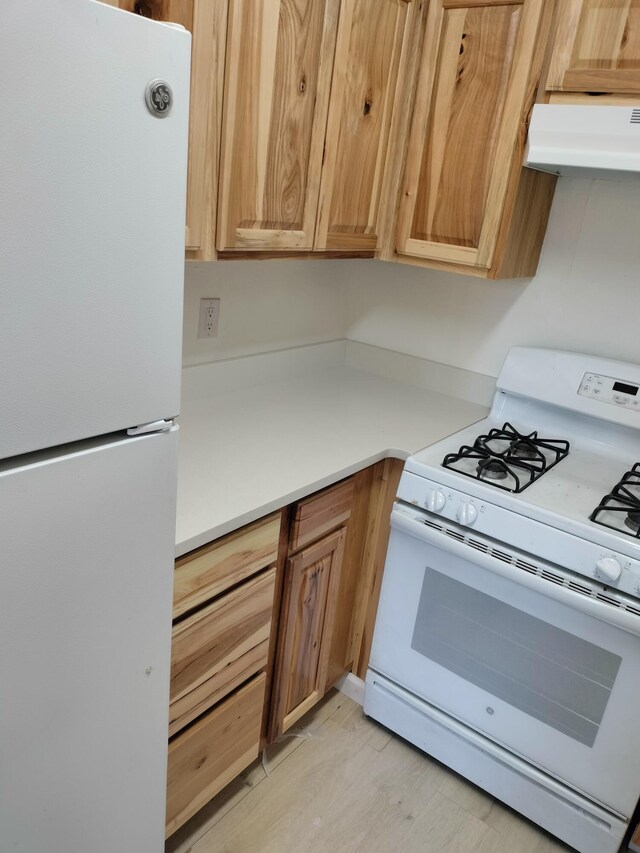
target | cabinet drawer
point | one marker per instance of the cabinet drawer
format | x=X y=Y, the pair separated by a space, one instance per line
x=219 y=647
x=207 y=756
x=317 y=515
x=216 y=567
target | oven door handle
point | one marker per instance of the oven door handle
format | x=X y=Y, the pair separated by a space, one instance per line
x=615 y=616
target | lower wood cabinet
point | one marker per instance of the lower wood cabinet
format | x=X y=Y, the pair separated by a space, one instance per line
x=311 y=584
x=209 y=754
x=267 y=619
x=221 y=661
x=320 y=514
x=214 y=568
x=219 y=647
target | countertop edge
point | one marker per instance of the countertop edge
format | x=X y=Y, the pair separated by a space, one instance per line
x=280 y=502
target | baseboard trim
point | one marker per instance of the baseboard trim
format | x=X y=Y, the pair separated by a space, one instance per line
x=353 y=687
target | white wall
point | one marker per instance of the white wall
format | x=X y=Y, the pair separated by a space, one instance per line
x=266 y=305
x=585 y=297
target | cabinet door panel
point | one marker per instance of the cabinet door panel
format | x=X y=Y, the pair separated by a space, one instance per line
x=311 y=583
x=371 y=37
x=471 y=107
x=277 y=82
x=597 y=47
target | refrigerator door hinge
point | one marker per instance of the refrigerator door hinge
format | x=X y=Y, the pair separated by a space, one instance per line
x=153 y=426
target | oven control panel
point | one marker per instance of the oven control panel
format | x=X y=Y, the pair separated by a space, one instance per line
x=608 y=389
x=478 y=519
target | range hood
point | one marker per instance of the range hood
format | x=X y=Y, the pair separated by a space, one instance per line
x=587 y=141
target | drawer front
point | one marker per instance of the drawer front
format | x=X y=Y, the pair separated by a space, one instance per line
x=315 y=516
x=207 y=756
x=219 y=647
x=211 y=570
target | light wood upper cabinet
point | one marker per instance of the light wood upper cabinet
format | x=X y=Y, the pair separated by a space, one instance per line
x=387 y=128
x=310 y=91
x=277 y=84
x=596 y=47
x=466 y=202
x=371 y=38
x=206 y=20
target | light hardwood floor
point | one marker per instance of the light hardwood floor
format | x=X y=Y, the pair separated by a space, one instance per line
x=340 y=783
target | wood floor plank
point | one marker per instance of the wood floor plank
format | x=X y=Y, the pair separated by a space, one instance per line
x=445 y=827
x=354 y=721
x=203 y=821
x=183 y=840
x=467 y=795
x=346 y=785
x=294 y=799
x=376 y=816
x=307 y=728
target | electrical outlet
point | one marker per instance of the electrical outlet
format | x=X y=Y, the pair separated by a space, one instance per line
x=208 y=318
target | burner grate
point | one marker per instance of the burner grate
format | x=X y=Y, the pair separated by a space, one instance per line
x=620 y=509
x=507 y=459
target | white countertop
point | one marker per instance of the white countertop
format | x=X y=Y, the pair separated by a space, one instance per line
x=245 y=453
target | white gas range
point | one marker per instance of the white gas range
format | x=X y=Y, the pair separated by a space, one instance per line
x=507 y=642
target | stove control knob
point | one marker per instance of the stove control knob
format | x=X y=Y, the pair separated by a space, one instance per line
x=467 y=514
x=435 y=500
x=609 y=567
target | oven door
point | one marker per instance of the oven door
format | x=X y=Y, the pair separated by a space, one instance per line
x=548 y=672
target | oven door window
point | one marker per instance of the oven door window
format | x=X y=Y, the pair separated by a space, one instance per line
x=552 y=675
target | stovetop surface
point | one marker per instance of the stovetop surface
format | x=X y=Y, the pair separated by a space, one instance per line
x=565 y=496
x=591 y=403
x=507 y=458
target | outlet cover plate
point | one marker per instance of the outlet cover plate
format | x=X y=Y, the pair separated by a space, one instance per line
x=208 y=318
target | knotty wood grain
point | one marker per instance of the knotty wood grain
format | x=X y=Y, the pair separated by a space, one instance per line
x=371 y=38
x=597 y=47
x=211 y=570
x=477 y=54
x=312 y=580
x=481 y=63
x=386 y=477
x=277 y=83
x=210 y=753
x=320 y=513
x=341 y=658
x=212 y=648
x=206 y=695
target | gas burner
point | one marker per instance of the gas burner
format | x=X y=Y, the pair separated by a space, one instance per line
x=633 y=521
x=507 y=455
x=523 y=449
x=620 y=509
x=492 y=469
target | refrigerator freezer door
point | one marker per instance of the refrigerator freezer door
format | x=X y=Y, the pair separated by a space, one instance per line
x=92 y=215
x=86 y=571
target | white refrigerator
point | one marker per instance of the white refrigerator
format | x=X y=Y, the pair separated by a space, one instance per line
x=93 y=151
